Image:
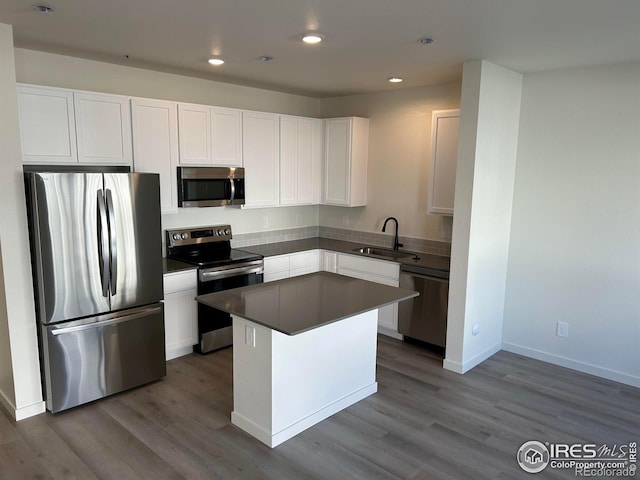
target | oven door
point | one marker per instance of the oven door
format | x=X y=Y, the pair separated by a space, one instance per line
x=215 y=326
x=210 y=186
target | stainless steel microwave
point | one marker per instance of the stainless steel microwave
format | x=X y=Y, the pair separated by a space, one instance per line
x=210 y=186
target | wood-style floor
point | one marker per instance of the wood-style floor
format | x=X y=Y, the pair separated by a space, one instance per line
x=424 y=423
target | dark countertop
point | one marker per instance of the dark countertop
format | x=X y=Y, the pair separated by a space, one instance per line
x=298 y=304
x=170 y=265
x=426 y=260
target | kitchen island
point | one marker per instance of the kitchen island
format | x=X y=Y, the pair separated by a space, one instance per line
x=304 y=349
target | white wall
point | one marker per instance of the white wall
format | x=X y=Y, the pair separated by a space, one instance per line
x=20 y=389
x=399 y=152
x=70 y=72
x=575 y=237
x=490 y=113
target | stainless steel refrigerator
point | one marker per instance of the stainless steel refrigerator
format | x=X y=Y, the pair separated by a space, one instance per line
x=97 y=265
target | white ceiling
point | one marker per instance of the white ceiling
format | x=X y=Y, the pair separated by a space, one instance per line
x=367 y=41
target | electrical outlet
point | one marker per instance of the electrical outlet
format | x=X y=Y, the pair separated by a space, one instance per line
x=298 y=219
x=345 y=220
x=250 y=335
x=475 y=329
x=562 y=329
x=265 y=222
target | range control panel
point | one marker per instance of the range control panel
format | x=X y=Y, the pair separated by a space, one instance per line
x=191 y=236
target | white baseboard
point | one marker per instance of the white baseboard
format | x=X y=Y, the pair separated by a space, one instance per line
x=274 y=439
x=462 y=368
x=172 y=353
x=390 y=333
x=584 y=367
x=30 y=411
x=22 y=412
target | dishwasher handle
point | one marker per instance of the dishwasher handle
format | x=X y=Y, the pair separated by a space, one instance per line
x=427 y=273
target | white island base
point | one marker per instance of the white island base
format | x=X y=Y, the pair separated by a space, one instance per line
x=284 y=384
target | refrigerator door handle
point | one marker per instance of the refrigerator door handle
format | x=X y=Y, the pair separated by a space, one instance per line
x=103 y=242
x=76 y=328
x=113 y=266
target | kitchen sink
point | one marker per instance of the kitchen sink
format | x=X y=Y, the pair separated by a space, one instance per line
x=384 y=252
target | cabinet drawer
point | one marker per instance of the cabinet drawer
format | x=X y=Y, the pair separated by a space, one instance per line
x=276 y=264
x=304 y=259
x=303 y=270
x=273 y=276
x=374 y=267
x=178 y=281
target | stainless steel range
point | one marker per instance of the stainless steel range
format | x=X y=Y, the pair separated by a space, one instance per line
x=220 y=267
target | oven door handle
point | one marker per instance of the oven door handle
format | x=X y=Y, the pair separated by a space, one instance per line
x=208 y=276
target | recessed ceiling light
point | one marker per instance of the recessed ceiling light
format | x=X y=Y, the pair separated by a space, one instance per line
x=43 y=9
x=395 y=80
x=426 y=41
x=312 y=38
x=216 y=61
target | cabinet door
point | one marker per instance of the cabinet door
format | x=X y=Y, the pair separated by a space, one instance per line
x=103 y=127
x=329 y=261
x=155 y=145
x=226 y=137
x=261 y=151
x=276 y=267
x=308 y=160
x=47 y=125
x=444 y=157
x=180 y=323
x=302 y=263
x=194 y=125
x=288 y=161
x=180 y=313
x=346 y=156
x=337 y=149
x=300 y=160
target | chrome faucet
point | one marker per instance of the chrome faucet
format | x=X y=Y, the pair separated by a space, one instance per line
x=396 y=243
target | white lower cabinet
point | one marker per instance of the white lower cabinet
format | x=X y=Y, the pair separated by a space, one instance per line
x=276 y=268
x=379 y=271
x=291 y=265
x=328 y=261
x=180 y=313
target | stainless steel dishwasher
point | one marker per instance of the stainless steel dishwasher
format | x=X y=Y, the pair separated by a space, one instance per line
x=425 y=317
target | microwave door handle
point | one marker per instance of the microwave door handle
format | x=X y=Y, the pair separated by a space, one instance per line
x=232 y=186
x=103 y=241
x=113 y=243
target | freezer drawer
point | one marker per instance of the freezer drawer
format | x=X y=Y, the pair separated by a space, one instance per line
x=91 y=358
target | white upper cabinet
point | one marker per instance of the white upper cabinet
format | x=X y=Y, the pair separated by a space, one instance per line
x=261 y=152
x=47 y=125
x=300 y=160
x=194 y=122
x=346 y=153
x=60 y=126
x=103 y=128
x=444 y=156
x=155 y=145
x=226 y=137
x=210 y=136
